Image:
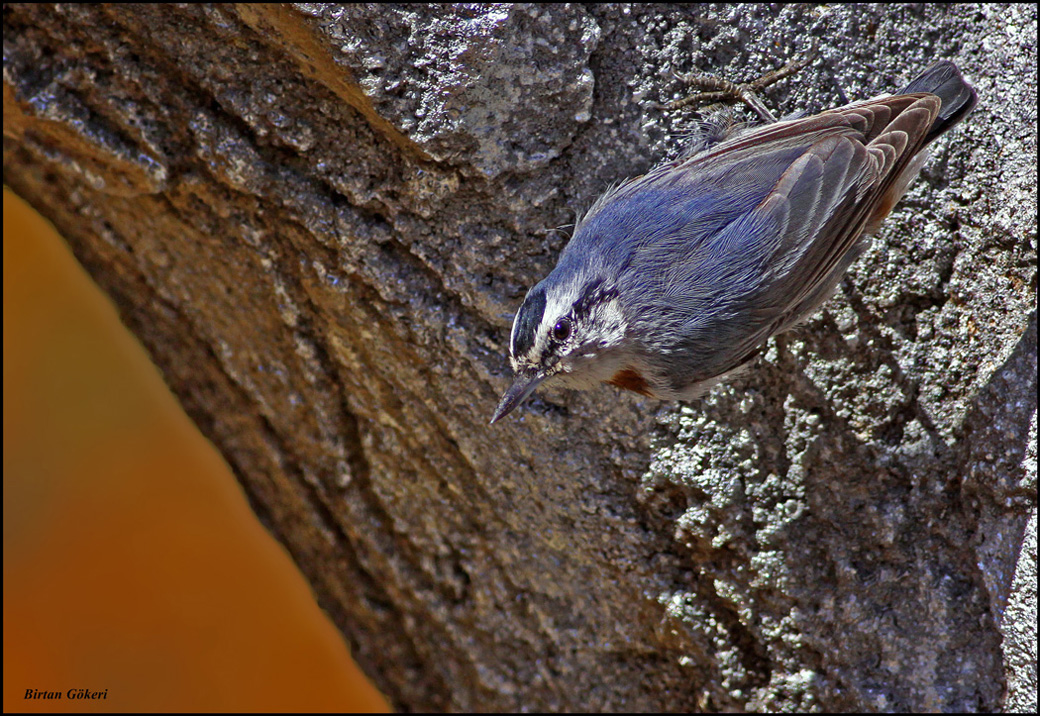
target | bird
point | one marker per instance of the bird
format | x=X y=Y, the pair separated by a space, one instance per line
x=674 y=280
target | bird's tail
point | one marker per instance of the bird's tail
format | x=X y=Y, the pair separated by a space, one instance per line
x=944 y=80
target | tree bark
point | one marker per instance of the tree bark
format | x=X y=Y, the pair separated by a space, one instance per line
x=319 y=220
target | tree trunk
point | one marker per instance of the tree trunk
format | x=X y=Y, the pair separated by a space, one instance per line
x=319 y=221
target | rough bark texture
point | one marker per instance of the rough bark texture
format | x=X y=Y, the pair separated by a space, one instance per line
x=319 y=220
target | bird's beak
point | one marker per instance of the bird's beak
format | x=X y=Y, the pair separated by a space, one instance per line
x=523 y=385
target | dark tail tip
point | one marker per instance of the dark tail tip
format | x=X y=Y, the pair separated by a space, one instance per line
x=944 y=80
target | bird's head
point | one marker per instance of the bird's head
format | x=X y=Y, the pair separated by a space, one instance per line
x=568 y=330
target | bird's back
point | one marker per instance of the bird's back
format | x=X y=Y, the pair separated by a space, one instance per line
x=714 y=253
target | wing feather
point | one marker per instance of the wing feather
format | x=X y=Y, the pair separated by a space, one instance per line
x=851 y=165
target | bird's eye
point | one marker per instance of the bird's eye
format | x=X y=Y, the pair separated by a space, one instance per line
x=562 y=330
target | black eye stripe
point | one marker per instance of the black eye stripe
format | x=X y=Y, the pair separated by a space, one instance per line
x=592 y=294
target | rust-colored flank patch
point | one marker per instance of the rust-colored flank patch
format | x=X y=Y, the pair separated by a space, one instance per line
x=630 y=380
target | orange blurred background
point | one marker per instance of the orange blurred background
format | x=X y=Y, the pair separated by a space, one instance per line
x=132 y=562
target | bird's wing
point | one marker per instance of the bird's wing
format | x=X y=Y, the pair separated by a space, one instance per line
x=839 y=174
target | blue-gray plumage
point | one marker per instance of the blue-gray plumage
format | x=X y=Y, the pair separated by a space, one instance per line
x=674 y=280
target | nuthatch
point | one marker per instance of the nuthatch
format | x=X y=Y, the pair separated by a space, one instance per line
x=674 y=280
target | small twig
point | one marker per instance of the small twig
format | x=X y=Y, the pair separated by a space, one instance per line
x=720 y=90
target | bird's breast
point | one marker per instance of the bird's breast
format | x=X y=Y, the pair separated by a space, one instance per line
x=629 y=379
